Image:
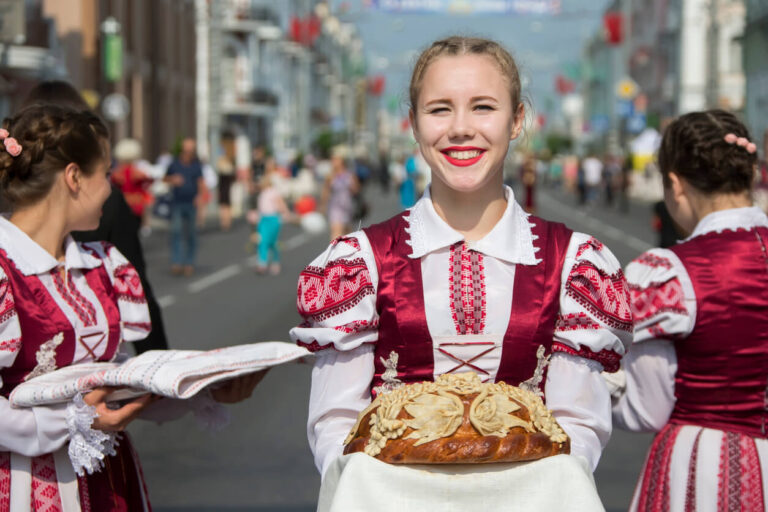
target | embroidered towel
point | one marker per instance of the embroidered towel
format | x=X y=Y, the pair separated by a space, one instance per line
x=170 y=373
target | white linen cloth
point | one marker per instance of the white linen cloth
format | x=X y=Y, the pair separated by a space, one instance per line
x=575 y=392
x=360 y=482
x=171 y=373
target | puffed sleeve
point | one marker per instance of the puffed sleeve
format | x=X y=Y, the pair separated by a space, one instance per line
x=593 y=327
x=595 y=319
x=337 y=301
x=337 y=297
x=31 y=431
x=131 y=301
x=664 y=308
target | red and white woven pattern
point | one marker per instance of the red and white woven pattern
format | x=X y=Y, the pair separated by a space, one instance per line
x=657 y=299
x=45 y=489
x=5 y=480
x=325 y=292
x=128 y=285
x=603 y=295
x=467 y=289
x=74 y=299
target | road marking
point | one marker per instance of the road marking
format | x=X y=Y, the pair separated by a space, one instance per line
x=166 y=300
x=598 y=225
x=295 y=241
x=215 y=278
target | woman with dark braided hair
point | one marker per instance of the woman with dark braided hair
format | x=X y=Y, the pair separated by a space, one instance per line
x=698 y=368
x=66 y=303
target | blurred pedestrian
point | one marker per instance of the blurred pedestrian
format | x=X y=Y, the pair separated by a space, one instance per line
x=185 y=176
x=696 y=372
x=593 y=176
x=761 y=180
x=528 y=176
x=118 y=225
x=611 y=177
x=664 y=226
x=132 y=181
x=337 y=195
x=225 y=169
x=272 y=210
x=258 y=159
x=625 y=182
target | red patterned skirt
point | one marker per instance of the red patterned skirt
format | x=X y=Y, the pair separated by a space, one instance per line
x=695 y=469
x=119 y=486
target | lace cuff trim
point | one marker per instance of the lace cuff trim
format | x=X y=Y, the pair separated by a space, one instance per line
x=211 y=416
x=87 y=447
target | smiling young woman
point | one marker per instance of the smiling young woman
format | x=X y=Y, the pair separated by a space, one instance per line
x=465 y=280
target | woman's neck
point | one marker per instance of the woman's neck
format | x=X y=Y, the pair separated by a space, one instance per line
x=43 y=224
x=472 y=214
x=704 y=205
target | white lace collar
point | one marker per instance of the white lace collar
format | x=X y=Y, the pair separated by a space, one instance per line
x=510 y=240
x=732 y=219
x=31 y=259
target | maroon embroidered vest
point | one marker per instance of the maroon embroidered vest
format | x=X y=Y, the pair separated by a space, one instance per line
x=403 y=323
x=721 y=379
x=41 y=319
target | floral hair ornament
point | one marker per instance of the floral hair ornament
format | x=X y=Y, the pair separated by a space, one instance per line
x=12 y=146
x=731 y=138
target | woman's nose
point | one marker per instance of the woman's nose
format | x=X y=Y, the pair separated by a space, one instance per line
x=461 y=125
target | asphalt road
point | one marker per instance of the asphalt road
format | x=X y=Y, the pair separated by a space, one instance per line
x=261 y=462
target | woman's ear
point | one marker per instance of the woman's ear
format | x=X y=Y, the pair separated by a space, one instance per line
x=677 y=185
x=72 y=177
x=412 y=120
x=517 y=125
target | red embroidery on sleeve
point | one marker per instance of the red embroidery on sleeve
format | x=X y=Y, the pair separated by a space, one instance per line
x=657 y=298
x=652 y=260
x=593 y=243
x=10 y=346
x=357 y=326
x=349 y=240
x=128 y=284
x=329 y=291
x=610 y=360
x=604 y=295
x=575 y=321
x=7 y=306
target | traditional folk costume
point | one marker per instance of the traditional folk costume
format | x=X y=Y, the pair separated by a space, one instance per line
x=697 y=371
x=53 y=315
x=409 y=299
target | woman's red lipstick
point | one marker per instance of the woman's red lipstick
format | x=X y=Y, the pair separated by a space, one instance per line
x=462 y=162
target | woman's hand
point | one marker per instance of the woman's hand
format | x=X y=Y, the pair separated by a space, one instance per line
x=237 y=390
x=115 y=420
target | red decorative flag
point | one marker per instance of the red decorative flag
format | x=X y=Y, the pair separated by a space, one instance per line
x=613 y=23
x=563 y=85
x=376 y=85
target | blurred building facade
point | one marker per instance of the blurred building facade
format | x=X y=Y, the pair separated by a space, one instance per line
x=151 y=86
x=677 y=55
x=756 y=67
x=279 y=73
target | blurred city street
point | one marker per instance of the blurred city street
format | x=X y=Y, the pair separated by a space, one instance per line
x=262 y=462
x=231 y=124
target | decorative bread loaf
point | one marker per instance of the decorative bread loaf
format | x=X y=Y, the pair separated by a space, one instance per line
x=457 y=419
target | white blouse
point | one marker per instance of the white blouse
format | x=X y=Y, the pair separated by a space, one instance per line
x=340 y=322
x=664 y=307
x=39 y=430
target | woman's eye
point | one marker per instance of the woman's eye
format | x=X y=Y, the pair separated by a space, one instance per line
x=483 y=107
x=438 y=110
